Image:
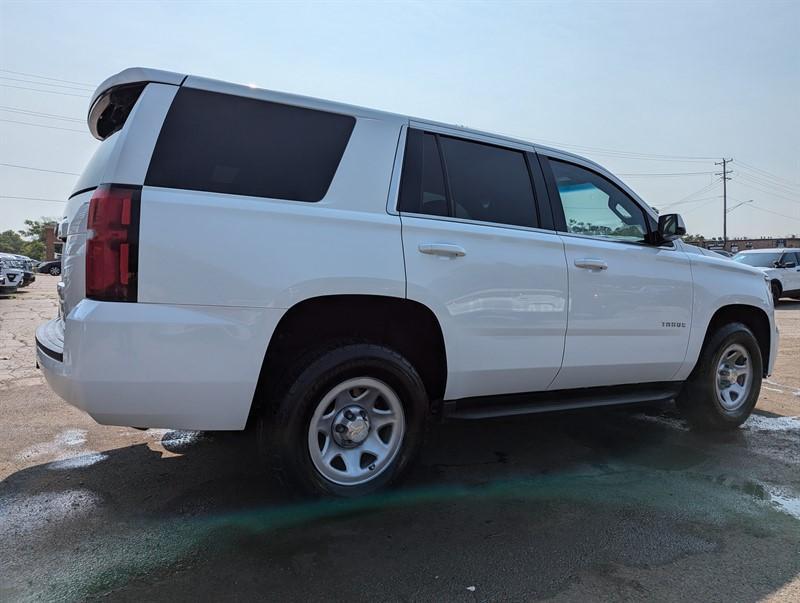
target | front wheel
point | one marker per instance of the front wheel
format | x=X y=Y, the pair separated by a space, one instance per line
x=723 y=388
x=349 y=423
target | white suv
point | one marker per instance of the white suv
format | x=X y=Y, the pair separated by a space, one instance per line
x=781 y=267
x=379 y=269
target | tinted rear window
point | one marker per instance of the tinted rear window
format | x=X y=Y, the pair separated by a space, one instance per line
x=489 y=183
x=422 y=188
x=486 y=183
x=243 y=146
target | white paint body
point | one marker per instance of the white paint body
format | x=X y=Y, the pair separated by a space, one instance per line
x=516 y=314
x=786 y=273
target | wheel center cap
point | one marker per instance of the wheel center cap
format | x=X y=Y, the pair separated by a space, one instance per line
x=351 y=426
x=728 y=375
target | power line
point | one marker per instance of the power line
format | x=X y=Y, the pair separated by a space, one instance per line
x=48 y=91
x=690 y=210
x=44 y=77
x=764 y=182
x=768 y=192
x=25 y=123
x=19 y=79
x=604 y=151
x=766 y=173
x=692 y=201
x=632 y=154
x=769 y=211
x=685 y=199
x=643 y=174
x=32 y=198
x=40 y=114
x=27 y=167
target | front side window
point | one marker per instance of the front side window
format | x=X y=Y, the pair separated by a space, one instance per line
x=758 y=260
x=594 y=206
x=485 y=183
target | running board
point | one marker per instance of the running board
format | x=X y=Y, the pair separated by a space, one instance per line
x=565 y=399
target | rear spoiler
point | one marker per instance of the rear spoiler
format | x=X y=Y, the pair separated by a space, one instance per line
x=115 y=97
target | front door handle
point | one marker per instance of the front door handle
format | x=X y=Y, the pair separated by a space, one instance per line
x=445 y=249
x=591 y=263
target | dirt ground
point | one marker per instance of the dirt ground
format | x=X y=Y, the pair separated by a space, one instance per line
x=624 y=504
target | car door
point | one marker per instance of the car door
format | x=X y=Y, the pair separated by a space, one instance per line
x=790 y=271
x=630 y=303
x=476 y=255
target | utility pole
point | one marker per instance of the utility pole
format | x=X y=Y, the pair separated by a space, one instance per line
x=724 y=163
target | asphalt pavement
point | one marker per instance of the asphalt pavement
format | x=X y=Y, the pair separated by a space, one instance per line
x=611 y=504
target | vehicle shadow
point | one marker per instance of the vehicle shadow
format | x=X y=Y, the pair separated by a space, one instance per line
x=522 y=507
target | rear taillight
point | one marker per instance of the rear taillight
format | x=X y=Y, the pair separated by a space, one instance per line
x=112 y=250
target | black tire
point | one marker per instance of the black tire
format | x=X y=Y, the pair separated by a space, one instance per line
x=699 y=402
x=54 y=270
x=777 y=291
x=283 y=425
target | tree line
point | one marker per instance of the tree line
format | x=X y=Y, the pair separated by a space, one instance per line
x=28 y=241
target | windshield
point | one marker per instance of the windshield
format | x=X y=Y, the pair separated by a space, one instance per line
x=759 y=260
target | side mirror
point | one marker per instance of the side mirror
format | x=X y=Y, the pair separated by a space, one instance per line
x=670 y=227
x=790 y=265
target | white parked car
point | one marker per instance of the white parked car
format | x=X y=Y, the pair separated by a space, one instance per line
x=7 y=285
x=11 y=274
x=781 y=266
x=379 y=269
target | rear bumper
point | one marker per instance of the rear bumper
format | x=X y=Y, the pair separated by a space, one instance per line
x=156 y=365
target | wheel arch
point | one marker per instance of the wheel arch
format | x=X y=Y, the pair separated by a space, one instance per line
x=751 y=316
x=409 y=327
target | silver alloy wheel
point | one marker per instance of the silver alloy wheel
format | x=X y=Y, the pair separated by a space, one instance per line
x=356 y=431
x=734 y=377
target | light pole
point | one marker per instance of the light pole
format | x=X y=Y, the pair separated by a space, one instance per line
x=729 y=210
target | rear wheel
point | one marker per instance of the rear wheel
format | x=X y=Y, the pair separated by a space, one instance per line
x=347 y=423
x=54 y=270
x=723 y=388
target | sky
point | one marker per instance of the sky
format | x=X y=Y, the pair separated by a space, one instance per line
x=656 y=92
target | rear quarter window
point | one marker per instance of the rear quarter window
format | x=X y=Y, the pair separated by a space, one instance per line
x=242 y=146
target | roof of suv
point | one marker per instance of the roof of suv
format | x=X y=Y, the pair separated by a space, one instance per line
x=770 y=250
x=135 y=75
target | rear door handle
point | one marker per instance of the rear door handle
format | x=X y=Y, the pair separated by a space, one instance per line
x=591 y=263
x=445 y=249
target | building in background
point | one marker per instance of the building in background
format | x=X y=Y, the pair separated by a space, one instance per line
x=736 y=245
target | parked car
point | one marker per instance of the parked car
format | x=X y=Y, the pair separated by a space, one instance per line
x=21 y=264
x=781 y=267
x=408 y=269
x=27 y=267
x=10 y=277
x=6 y=287
x=52 y=267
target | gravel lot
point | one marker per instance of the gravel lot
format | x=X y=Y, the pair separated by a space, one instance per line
x=599 y=505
